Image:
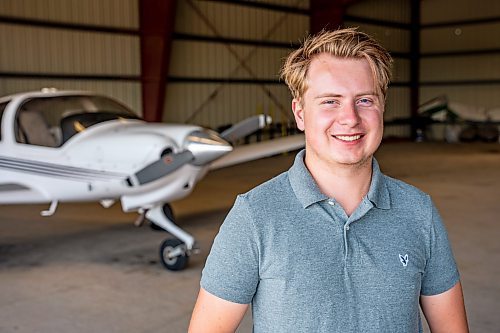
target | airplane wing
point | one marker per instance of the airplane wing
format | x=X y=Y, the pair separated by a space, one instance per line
x=245 y=127
x=469 y=112
x=258 y=150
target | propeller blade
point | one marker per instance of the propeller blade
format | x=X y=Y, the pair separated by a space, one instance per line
x=245 y=127
x=160 y=168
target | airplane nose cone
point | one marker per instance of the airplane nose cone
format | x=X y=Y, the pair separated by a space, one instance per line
x=206 y=146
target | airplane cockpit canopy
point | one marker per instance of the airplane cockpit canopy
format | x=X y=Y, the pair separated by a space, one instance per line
x=51 y=121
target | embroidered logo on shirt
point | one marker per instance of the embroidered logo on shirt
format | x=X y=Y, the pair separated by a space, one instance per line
x=404 y=259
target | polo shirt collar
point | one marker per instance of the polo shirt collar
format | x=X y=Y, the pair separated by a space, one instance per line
x=303 y=184
x=307 y=191
x=378 y=193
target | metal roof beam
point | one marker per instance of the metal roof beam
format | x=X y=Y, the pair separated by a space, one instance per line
x=157 y=21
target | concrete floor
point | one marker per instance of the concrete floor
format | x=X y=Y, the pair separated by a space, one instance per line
x=87 y=269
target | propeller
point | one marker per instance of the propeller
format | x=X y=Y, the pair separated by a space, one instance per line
x=160 y=168
x=201 y=147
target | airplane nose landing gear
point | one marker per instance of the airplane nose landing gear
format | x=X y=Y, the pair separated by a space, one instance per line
x=174 y=253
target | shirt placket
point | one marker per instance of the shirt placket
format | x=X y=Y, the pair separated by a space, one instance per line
x=338 y=214
x=339 y=218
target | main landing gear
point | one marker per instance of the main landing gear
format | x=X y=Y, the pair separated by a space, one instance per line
x=174 y=252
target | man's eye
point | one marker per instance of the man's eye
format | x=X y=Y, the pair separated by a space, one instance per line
x=330 y=101
x=365 y=101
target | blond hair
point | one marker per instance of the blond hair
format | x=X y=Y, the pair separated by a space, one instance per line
x=344 y=43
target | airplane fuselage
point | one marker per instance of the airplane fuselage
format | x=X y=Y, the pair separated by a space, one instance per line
x=93 y=164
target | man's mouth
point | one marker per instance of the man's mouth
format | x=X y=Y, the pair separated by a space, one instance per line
x=348 y=138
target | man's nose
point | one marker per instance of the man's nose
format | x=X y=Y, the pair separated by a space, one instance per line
x=349 y=116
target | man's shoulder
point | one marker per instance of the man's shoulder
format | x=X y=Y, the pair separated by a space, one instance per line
x=263 y=204
x=278 y=184
x=270 y=193
x=400 y=191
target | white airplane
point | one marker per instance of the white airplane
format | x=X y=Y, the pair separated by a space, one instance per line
x=464 y=122
x=69 y=146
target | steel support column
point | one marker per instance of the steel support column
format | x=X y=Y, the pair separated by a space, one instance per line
x=327 y=14
x=414 y=65
x=157 y=20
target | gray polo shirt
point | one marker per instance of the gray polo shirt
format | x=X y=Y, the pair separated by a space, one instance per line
x=306 y=266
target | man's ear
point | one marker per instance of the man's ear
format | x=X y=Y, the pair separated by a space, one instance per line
x=298 y=113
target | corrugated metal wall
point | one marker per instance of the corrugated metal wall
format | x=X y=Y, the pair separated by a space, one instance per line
x=209 y=93
x=47 y=50
x=66 y=56
x=435 y=11
x=390 y=10
x=113 y=13
x=462 y=59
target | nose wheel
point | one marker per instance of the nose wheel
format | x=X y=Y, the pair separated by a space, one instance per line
x=173 y=254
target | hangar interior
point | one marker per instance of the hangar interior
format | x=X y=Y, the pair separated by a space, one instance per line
x=219 y=61
x=214 y=63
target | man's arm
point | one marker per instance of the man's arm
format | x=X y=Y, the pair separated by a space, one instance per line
x=214 y=314
x=445 y=312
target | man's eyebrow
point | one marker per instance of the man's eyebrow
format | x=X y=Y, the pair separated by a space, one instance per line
x=334 y=95
x=328 y=95
x=368 y=93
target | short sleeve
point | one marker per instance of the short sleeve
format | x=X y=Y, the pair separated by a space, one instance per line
x=441 y=272
x=231 y=269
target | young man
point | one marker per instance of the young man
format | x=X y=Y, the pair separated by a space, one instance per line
x=333 y=245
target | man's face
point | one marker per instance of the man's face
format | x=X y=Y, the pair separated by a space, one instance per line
x=339 y=112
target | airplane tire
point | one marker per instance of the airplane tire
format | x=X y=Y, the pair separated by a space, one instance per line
x=174 y=264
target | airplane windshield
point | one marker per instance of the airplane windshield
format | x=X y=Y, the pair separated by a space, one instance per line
x=51 y=121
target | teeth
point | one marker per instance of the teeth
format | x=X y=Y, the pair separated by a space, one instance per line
x=348 y=137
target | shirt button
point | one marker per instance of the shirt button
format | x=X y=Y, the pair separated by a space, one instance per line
x=346 y=227
x=331 y=202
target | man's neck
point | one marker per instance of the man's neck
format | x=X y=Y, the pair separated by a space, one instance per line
x=347 y=184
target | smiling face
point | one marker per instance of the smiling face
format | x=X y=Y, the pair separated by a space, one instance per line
x=340 y=113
